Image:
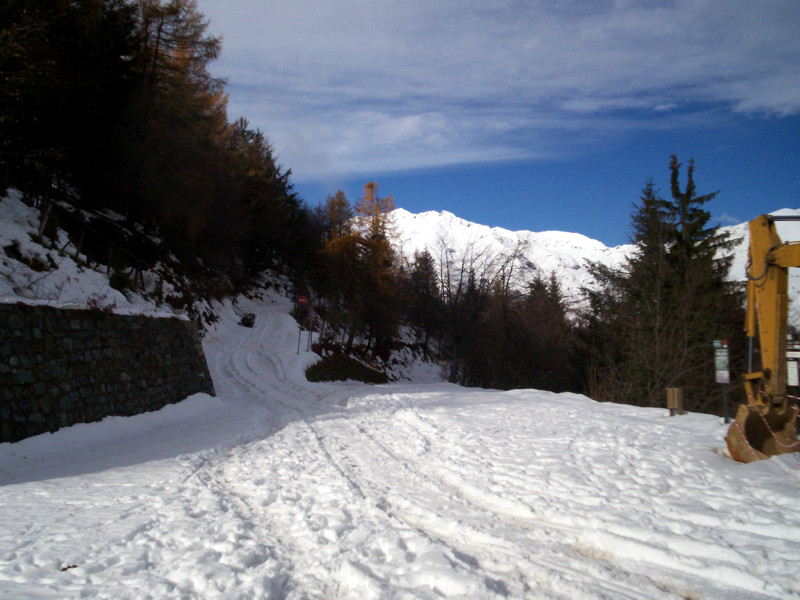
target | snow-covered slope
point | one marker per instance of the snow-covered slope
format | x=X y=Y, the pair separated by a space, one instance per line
x=34 y=273
x=545 y=252
x=787 y=231
x=566 y=254
x=279 y=488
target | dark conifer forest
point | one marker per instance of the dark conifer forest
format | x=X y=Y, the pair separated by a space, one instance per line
x=111 y=123
x=109 y=104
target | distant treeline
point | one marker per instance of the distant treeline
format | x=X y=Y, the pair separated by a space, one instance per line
x=109 y=105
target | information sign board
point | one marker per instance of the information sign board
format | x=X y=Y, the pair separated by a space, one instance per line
x=721 y=361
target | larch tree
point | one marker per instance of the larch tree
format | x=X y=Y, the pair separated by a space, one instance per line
x=337 y=278
x=379 y=301
x=337 y=215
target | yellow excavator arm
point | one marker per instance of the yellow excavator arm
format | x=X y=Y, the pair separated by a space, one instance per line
x=765 y=425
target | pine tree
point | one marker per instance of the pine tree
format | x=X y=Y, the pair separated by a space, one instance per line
x=265 y=197
x=547 y=343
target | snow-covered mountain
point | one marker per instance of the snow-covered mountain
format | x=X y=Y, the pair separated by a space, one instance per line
x=787 y=230
x=564 y=253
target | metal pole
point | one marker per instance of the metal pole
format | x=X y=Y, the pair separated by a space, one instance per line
x=725 y=411
x=299 y=333
x=310 y=331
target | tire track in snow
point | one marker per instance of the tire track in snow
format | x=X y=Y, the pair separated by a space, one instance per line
x=664 y=555
x=511 y=541
x=263 y=366
x=232 y=528
x=184 y=534
x=261 y=373
x=257 y=370
x=202 y=536
x=530 y=553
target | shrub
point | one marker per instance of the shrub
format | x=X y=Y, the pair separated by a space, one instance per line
x=121 y=281
x=13 y=250
x=340 y=367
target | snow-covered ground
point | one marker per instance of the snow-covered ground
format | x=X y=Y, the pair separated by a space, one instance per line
x=279 y=488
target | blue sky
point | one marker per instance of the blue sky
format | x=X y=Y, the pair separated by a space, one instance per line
x=522 y=114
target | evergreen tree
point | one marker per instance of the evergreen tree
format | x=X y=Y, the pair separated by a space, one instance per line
x=540 y=346
x=271 y=208
x=651 y=323
x=425 y=304
x=64 y=74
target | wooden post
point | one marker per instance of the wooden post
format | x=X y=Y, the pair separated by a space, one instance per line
x=675 y=401
x=79 y=245
x=47 y=210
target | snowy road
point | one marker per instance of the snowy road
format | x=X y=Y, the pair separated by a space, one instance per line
x=280 y=488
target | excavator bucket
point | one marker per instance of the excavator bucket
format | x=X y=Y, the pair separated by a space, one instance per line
x=759 y=432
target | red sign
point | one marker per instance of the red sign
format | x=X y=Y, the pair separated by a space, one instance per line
x=302 y=300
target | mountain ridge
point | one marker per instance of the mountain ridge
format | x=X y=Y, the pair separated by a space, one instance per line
x=565 y=253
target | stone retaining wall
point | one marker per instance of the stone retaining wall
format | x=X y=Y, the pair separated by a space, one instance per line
x=60 y=367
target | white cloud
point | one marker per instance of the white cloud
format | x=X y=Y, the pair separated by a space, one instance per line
x=359 y=86
x=725 y=220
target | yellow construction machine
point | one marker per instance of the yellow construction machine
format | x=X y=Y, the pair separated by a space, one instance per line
x=765 y=425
